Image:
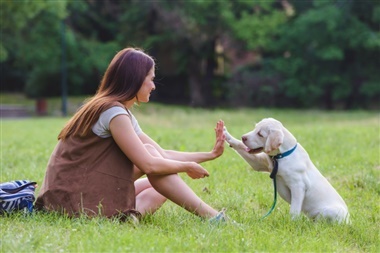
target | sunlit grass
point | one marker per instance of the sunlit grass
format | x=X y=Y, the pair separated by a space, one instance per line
x=343 y=145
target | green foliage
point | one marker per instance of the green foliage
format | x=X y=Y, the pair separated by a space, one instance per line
x=31 y=44
x=330 y=54
x=321 y=54
x=17 y=15
x=342 y=145
x=254 y=23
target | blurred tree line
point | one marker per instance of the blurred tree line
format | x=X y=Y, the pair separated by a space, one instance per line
x=272 y=53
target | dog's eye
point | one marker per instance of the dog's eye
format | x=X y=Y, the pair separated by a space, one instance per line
x=259 y=134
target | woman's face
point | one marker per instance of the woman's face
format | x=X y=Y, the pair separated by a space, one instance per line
x=147 y=87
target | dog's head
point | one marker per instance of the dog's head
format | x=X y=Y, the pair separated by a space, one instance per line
x=267 y=136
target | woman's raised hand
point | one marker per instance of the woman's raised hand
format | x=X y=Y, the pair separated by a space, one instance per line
x=220 y=138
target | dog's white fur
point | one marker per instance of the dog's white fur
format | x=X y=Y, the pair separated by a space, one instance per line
x=299 y=182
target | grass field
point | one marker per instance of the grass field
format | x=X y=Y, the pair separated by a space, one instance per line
x=345 y=146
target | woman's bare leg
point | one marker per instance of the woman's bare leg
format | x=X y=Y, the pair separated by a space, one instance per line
x=148 y=200
x=174 y=188
x=150 y=195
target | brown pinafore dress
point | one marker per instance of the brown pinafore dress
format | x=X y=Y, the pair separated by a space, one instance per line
x=90 y=176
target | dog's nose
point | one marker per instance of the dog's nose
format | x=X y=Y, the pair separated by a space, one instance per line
x=244 y=138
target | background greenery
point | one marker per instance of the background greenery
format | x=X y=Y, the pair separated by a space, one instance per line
x=288 y=53
x=343 y=145
x=238 y=55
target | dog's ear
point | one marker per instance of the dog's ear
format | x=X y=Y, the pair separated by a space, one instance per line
x=274 y=140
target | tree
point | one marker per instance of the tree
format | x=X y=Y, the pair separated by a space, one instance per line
x=297 y=53
x=329 y=53
x=34 y=46
x=193 y=28
x=16 y=15
x=20 y=47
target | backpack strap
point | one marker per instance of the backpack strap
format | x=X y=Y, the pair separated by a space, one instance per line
x=16 y=186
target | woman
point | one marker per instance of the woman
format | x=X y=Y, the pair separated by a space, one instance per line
x=102 y=152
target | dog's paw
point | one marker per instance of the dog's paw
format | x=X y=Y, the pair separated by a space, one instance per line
x=229 y=139
x=227 y=134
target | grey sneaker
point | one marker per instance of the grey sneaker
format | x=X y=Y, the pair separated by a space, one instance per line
x=221 y=217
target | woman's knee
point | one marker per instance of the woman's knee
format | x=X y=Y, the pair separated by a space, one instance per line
x=149 y=200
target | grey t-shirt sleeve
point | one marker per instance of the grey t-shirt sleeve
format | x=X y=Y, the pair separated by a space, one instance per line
x=102 y=127
x=136 y=125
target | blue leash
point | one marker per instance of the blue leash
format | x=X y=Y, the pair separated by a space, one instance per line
x=273 y=176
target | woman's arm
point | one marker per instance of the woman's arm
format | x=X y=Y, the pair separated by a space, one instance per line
x=197 y=157
x=124 y=135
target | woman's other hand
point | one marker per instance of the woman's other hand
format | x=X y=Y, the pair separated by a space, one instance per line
x=196 y=171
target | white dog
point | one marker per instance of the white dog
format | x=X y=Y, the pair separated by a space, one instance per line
x=299 y=182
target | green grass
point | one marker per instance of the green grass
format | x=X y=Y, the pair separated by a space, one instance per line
x=345 y=146
x=54 y=104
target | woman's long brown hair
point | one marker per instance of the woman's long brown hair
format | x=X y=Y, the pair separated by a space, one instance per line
x=121 y=82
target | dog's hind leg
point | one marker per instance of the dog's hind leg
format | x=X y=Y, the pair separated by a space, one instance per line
x=334 y=214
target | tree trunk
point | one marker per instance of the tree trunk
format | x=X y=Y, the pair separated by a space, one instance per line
x=201 y=75
x=195 y=87
x=328 y=97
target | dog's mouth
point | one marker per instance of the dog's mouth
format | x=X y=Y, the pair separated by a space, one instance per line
x=255 y=150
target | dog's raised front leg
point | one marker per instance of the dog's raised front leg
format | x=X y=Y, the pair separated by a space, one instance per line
x=259 y=162
x=233 y=142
